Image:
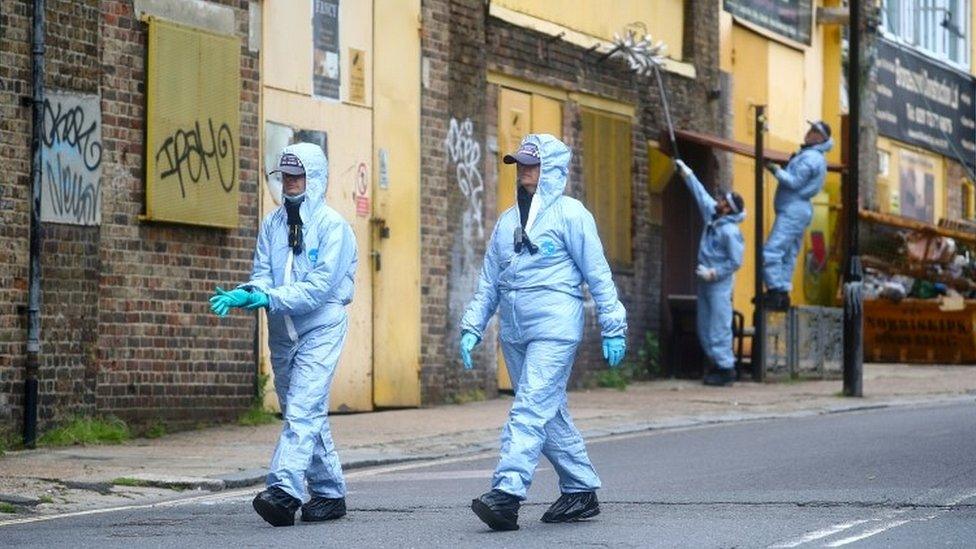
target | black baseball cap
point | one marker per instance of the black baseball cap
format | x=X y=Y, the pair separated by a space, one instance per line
x=527 y=153
x=820 y=127
x=289 y=164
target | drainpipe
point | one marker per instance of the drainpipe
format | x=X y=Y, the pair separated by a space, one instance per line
x=34 y=288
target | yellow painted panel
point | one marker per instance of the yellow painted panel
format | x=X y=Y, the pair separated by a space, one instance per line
x=749 y=63
x=785 y=74
x=607 y=159
x=350 y=145
x=547 y=116
x=396 y=126
x=192 y=126
x=286 y=47
x=663 y=18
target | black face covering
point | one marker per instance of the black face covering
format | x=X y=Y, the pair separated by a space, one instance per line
x=524 y=203
x=293 y=206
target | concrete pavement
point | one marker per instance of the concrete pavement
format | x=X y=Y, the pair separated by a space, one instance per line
x=66 y=479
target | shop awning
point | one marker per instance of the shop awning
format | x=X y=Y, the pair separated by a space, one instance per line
x=729 y=145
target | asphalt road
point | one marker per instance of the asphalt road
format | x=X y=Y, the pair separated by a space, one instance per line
x=901 y=477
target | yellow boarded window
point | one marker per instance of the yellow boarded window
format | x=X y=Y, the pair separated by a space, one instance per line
x=607 y=159
x=192 y=126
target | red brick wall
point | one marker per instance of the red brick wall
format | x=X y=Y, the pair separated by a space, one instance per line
x=125 y=325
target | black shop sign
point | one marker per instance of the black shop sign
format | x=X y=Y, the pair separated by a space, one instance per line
x=924 y=103
x=791 y=19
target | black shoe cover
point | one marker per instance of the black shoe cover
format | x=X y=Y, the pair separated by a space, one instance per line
x=319 y=509
x=777 y=300
x=497 y=509
x=573 y=507
x=720 y=377
x=276 y=506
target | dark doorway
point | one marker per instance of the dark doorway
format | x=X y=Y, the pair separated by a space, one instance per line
x=682 y=230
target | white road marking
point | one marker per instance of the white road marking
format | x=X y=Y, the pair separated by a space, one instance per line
x=838 y=528
x=818 y=534
x=869 y=533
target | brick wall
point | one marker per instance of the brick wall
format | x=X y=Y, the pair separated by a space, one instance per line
x=125 y=324
x=460 y=55
x=15 y=127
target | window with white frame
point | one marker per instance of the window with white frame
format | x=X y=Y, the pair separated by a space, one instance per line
x=940 y=28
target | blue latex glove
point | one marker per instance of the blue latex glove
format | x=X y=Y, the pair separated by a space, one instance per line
x=468 y=342
x=614 y=349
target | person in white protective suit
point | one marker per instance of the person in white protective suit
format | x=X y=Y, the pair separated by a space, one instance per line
x=304 y=270
x=719 y=257
x=801 y=180
x=541 y=253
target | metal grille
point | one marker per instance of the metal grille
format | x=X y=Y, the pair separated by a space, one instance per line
x=805 y=342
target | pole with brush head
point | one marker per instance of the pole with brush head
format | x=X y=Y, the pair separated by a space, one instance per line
x=645 y=56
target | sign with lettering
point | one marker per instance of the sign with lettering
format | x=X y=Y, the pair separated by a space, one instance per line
x=792 y=19
x=325 y=54
x=192 y=126
x=924 y=103
x=918 y=331
x=71 y=169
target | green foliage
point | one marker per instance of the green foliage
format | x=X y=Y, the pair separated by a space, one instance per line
x=46 y=499
x=87 y=430
x=128 y=481
x=473 y=395
x=155 y=430
x=8 y=441
x=7 y=507
x=648 y=356
x=257 y=414
x=615 y=378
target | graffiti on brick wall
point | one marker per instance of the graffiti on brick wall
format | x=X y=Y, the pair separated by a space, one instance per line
x=192 y=155
x=465 y=152
x=193 y=149
x=71 y=159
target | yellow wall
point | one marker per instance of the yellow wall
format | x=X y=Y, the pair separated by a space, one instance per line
x=286 y=99
x=602 y=19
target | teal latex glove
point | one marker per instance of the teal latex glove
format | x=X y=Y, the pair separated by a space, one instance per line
x=468 y=342
x=259 y=300
x=614 y=349
x=223 y=301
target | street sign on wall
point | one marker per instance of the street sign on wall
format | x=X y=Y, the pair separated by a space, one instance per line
x=792 y=19
x=924 y=103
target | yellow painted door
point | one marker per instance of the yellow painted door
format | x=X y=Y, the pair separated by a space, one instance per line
x=520 y=113
x=396 y=210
